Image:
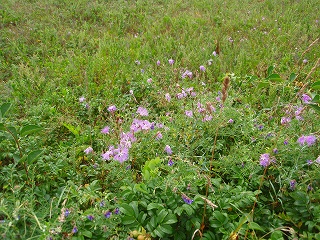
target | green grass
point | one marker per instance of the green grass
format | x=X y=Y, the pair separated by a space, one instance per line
x=54 y=52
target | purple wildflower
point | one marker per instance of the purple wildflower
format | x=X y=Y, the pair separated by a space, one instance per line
x=142 y=111
x=309 y=140
x=214 y=53
x=137 y=62
x=230 y=120
x=88 y=150
x=318 y=160
x=112 y=108
x=90 y=217
x=170 y=162
x=207 y=118
x=306 y=98
x=102 y=204
x=293 y=184
x=158 y=62
x=171 y=61
x=168 y=150
x=305 y=61
x=122 y=154
x=275 y=151
x=66 y=213
x=82 y=99
x=186 y=199
x=309 y=162
x=202 y=68
x=74 y=229
x=159 y=135
x=167 y=96
x=149 y=80
x=265 y=160
x=189 y=113
x=116 y=211
x=108 y=214
x=285 y=142
x=187 y=73
x=105 y=130
x=285 y=120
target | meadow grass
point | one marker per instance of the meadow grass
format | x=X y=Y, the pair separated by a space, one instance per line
x=212 y=186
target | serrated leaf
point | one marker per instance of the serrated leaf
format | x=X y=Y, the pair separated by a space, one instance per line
x=255 y=226
x=4 y=108
x=26 y=130
x=32 y=156
x=316 y=85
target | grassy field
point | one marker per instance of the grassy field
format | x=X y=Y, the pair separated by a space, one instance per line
x=159 y=119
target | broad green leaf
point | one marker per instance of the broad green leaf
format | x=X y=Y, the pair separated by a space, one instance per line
x=170 y=219
x=292 y=77
x=2 y=127
x=154 y=206
x=263 y=84
x=276 y=235
x=32 y=156
x=127 y=220
x=26 y=130
x=270 y=70
x=87 y=234
x=126 y=209
x=189 y=210
x=316 y=85
x=255 y=226
x=275 y=78
x=4 y=108
x=140 y=187
x=161 y=215
x=316 y=99
x=153 y=222
x=13 y=132
x=165 y=228
x=72 y=129
x=315 y=107
x=158 y=232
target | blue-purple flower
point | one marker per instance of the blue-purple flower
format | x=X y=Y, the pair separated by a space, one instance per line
x=202 y=68
x=105 y=130
x=170 y=162
x=293 y=184
x=74 y=229
x=108 y=214
x=90 y=217
x=168 y=150
x=307 y=140
x=266 y=160
x=171 y=61
x=186 y=199
x=88 y=150
x=112 y=108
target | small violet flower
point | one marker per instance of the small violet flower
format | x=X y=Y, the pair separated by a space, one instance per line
x=105 y=130
x=306 y=98
x=186 y=199
x=108 y=214
x=90 y=217
x=82 y=99
x=171 y=61
x=142 y=111
x=74 y=229
x=309 y=162
x=168 y=150
x=293 y=184
x=158 y=63
x=309 y=140
x=202 y=68
x=66 y=213
x=266 y=160
x=170 y=162
x=230 y=120
x=112 y=108
x=189 y=113
x=88 y=150
x=168 y=97
x=117 y=211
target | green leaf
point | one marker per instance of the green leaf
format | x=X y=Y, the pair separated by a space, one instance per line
x=165 y=228
x=26 y=130
x=189 y=210
x=158 y=232
x=126 y=209
x=316 y=99
x=32 y=156
x=270 y=70
x=127 y=220
x=4 y=108
x=292 y=77
x=154 y=206
x=275 y=78
x=134 y=206
x=315 y=107
x=263 y=84
x=170 y=219
x=316 y=85
x=87 y=234
x=140 y=187
x=255 y=226
x=13 y=132
x=161 y=215
x=276 y=235
x=72 y=129
x=2 y=127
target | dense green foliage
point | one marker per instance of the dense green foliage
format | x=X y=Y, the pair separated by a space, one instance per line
x=159 y=119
